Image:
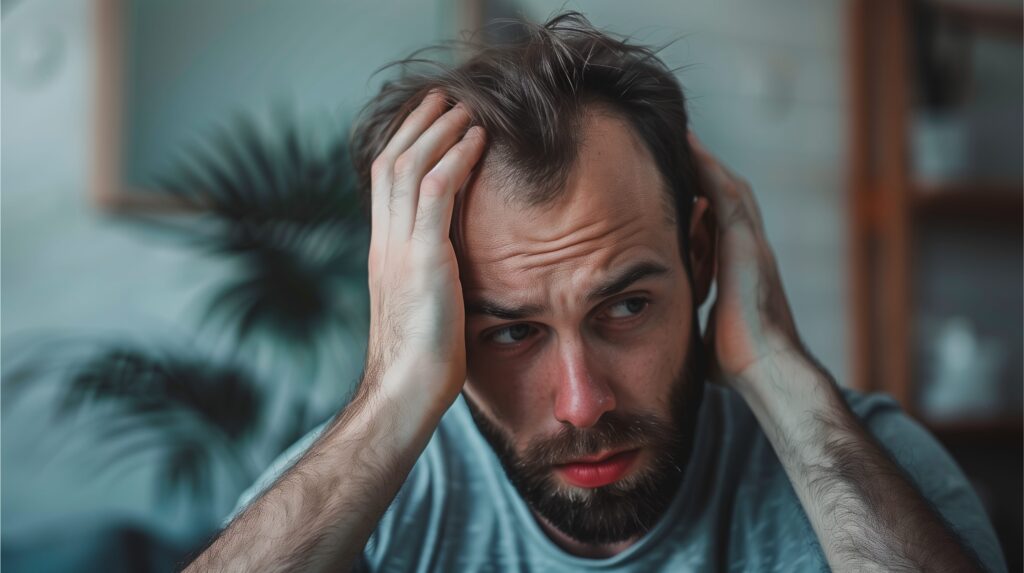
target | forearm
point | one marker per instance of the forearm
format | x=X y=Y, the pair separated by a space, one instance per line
x=866 y=513
x=320 y=513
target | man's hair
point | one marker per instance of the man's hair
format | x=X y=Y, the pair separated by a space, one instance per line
x=530 y=95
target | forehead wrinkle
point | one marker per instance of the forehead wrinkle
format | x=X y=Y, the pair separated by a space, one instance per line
x=571 y=253
x=580 y=290
x=578 y=280
x=576 y=245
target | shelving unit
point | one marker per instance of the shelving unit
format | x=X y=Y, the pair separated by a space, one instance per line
x=891 y=207
x=887 y=204
x=991 y=203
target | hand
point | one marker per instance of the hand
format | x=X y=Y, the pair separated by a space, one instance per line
x=750 y=320
x=417 y=324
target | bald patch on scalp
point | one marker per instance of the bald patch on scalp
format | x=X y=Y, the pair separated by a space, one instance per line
x=498 y=172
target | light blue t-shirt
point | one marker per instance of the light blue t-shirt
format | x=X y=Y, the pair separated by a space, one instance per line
x=735 y=511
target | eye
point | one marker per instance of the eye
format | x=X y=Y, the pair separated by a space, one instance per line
x=627 y=308
x=513 y=334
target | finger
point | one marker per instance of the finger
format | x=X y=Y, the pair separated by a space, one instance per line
x=418 y=121
x=413 y=164
x=440 y=185
x=414 y=125
x=731 y=197
x=715 y=180
x=709 y=346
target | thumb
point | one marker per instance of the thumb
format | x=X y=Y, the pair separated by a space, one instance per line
x=713 y=370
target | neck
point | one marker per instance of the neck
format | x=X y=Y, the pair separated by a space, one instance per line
x=578 y=548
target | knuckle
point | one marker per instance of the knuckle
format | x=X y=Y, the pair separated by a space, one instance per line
x=475 y=136
x=434 y=184
x=380 y=166
x=732 y=187
x=421 y=236
x=735 y=213
x=375 y=269
x=374 y=260
x=458 y=115
x=405 y=163
x=435 y=97
x=419 y=241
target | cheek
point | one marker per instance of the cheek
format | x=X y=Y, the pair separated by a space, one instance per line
x=505 y=389
x=647 y=368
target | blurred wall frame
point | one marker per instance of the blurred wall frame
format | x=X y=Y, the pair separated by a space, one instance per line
x=142 y=116
x=110 y=189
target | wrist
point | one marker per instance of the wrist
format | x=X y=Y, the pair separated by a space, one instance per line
x=801 y=410
x=788 y=389
x=412 y=393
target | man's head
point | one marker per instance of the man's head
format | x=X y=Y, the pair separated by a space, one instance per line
x=583 y=255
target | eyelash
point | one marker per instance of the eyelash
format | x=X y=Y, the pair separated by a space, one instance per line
x=642 y=299
x=493 y=334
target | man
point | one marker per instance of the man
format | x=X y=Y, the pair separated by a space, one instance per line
x=534 y=393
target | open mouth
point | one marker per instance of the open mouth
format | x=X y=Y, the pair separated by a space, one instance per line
x=599 y=470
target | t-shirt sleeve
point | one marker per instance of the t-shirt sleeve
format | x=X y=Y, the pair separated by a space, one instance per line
x=280 y=465
x=399 y=525
x=934 y=473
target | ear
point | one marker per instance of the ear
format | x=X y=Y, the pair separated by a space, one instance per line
x=703 y=239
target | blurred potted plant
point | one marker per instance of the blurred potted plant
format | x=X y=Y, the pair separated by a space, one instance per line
x=283 y=211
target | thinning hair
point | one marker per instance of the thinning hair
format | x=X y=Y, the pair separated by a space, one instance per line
x=531 y=94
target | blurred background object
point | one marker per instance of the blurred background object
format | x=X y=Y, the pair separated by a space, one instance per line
x=937 y=107
x=184 y=256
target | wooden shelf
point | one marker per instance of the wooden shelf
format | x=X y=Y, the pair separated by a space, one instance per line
x=997 y=432
x=986 y=202
x=1003 y=20
x=889 y=207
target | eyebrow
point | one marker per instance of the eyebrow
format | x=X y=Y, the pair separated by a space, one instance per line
x=618 y=283
x=623 y=280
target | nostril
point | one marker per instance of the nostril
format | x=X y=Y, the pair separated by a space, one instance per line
x=583 y=403
x=581 y=395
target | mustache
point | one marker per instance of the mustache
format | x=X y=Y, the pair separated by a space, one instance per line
x=612 y=432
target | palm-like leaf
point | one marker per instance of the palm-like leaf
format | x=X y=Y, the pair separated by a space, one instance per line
x=223 y=398
x=191 y=409
x=287 y=210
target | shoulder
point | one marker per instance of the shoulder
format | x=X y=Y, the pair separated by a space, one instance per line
x=763 y=493
x=450 y=437
x=452 y=509
x=434 y=498
x=756 y=517
x=930 y=467
x=280 y=465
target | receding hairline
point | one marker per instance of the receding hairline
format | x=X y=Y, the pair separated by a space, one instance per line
x=498 y=176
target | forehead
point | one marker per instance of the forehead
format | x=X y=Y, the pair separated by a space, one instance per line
x=613 y=210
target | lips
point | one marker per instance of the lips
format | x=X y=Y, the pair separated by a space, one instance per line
x=597 y=471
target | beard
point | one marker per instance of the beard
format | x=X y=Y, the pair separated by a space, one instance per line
x=630 y=506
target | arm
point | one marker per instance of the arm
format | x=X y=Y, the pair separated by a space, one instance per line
x=865 y=512
x=863 y=508
x=320 y=513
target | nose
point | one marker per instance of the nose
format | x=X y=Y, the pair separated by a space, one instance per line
x=582 y=395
